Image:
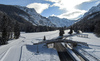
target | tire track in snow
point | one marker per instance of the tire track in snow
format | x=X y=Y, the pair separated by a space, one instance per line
x=14 y=53
x=5 y=54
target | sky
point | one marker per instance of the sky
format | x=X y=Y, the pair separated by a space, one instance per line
x=70 y=9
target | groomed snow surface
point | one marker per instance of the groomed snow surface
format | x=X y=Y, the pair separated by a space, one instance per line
x=23 y=49
x=93 y=48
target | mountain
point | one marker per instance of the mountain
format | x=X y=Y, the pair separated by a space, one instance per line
x=94 y=9
x=29 y=15
x=90 y=22
x=35 y=18
x=8 y=21
x=24 y=13
x=26 y=21
x=14 y=13
x=50 y=21
x=61 y=22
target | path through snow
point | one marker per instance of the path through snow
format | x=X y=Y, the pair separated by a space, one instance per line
x=22 y=49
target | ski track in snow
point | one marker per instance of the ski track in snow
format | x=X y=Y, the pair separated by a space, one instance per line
x=5 y=48
x=22 y=49
x=13 y=54
x=14 y=51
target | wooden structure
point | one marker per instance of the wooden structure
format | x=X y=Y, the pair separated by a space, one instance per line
x=83 y=35
x=73 y=43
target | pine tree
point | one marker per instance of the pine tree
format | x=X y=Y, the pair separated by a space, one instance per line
x=4 y=30
x=71 y=31
x=16 y=31
x=97 y=29
x=61 y=32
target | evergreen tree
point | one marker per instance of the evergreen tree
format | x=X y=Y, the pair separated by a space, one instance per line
x=29 y=28
x=4 y=30
x=61 y=32
x=71 y=31
x=97 y=29
x=4 y=36
x=16 y=30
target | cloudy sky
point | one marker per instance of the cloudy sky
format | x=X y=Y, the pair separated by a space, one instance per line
x=70 y=9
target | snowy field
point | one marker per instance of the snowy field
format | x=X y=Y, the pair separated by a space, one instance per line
x=93 y=47
x=23 y=49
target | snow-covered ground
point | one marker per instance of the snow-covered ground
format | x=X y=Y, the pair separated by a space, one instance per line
x=5 y=48
x=22 y=49
x=93 y=47
x=29 y=53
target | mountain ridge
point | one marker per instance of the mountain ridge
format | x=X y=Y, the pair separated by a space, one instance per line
x=24 y=14
x=38 y=17
x=90 y=22
x=61 y=22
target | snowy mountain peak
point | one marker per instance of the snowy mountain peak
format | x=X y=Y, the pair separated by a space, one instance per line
x=93 y=10
x=61 y=22
x=35 y=17
x=57 y=18
x=50 y=21
x=29 y=10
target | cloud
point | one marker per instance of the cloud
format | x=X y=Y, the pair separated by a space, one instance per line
x=70 y=7
x=72 y=15
x=39 y=7
x=54 y=0
x=68 y=4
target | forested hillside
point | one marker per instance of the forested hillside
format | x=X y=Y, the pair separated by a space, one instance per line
x=90 y=22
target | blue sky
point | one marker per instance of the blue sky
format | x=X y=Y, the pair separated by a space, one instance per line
x=71 y=9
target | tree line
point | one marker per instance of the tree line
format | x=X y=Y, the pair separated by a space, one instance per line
x=30 y=28
x=9 y=30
